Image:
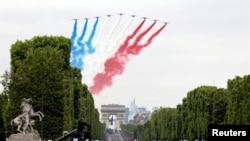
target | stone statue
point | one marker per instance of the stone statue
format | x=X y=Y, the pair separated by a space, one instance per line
x=24 y=121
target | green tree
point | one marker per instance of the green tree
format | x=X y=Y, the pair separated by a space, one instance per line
x=238 y=100
x=38 y=69
x=203 y=106
x=3 y=101
x=40 y=77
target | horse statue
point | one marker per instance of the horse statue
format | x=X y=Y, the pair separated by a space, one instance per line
x=24 y=121
x=18 y=121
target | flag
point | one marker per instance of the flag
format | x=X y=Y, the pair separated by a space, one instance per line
x=111 y=120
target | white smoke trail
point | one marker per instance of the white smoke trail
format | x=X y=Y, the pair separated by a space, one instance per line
x=95 y=63
x=122 y=35
x=102 y=29
x=115 y=44
x=114 y=28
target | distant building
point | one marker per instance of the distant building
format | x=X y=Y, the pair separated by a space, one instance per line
x=154 y=109
x=113 y=115
x=126 y=115
x=132 y=110
x=141 y=110
x=131 y=122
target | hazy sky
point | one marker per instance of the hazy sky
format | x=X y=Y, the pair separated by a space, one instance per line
x=205 y=43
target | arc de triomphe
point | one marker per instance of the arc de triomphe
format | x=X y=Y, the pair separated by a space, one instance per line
x=113 y=109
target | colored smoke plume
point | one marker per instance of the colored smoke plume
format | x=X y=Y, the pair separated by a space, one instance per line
x=78 y=51
x=115 y=65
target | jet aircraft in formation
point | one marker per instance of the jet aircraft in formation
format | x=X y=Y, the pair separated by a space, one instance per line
x=121 y=14
x=109 y=15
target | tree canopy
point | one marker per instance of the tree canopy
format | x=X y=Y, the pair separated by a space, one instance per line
x=203 y=106
x=40 y=70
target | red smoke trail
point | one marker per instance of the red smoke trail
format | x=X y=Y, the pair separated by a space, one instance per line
x=126 y=42
x=135 y=49
x=112 y=65
x=116 y=64
x=139 y=37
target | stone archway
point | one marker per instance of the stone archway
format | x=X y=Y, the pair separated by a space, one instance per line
x=113 y=109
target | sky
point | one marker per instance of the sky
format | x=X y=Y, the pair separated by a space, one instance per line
x=206 y=42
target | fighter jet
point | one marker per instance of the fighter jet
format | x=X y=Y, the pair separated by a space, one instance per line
x=86 y=18
x=155 y=20
x=165 y=22
x=144 y=18
x=109 y=15
x=97 y=17
x=120 y=14
x=75 y=19
x=133 y=16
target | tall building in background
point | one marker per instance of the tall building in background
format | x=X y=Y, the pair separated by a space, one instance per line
x=133 y=110
x=126 y=115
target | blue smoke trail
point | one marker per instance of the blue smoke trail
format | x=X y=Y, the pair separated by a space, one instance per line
x=79 y=40
x=91 y=49
x=73 y=60
x=79 y=52
x=73 y=37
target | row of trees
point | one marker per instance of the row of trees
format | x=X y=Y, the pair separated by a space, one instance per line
x=203 y=106
x=40 y=70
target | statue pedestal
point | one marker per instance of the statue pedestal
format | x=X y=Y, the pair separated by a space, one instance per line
x=24 y=137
